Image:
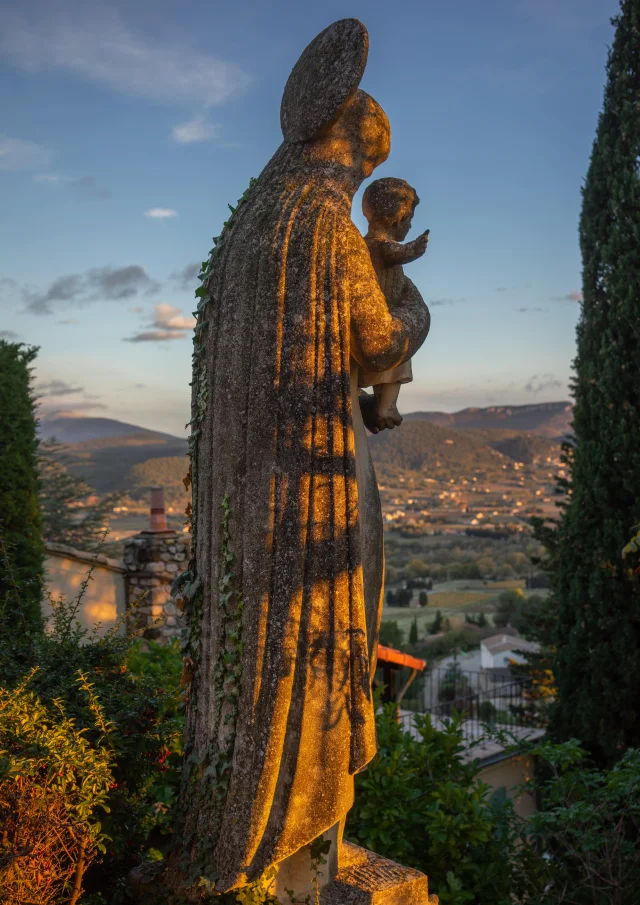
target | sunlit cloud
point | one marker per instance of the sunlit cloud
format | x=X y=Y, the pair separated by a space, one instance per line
x=160 y=213
x=196 y=129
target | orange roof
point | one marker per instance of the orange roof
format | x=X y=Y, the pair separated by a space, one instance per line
x=390 y=655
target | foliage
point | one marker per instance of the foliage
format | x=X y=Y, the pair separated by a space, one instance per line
x=64 y=521
x=420 y=804
x=21 y=521
x=597 y=637
x=436 y=625
x=54 y=787
x=391 y=635
x=165 y=471
x=413 y=631
x=587 y=830
x=455 y=640
x=144 y=734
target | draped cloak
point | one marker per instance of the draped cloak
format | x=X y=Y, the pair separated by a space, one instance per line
x=294 y=305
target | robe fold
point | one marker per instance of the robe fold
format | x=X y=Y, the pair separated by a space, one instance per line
x=294 y=309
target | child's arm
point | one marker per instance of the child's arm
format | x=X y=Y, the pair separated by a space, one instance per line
x=393 y=253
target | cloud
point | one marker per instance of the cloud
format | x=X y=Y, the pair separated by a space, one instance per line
x=186 y=277
x=97 y=284
x=149 y=336
x=69 y=322
x=436 y=302
x=93 y=42
x=74 y=408
x=196 y=129
x=57 y=388
x=574 y=296
x=539 y=383
x=538 y=310
x=168 y=324
x=84 y=186
x=160 y=213
x=21 y=154
x=49 y=178
x=500 y=289
x=169 y=318
x=8 y=334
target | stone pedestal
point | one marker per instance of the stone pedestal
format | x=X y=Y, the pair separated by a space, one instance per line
x=365 y=878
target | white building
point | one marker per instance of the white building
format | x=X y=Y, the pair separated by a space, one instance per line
x=498 y=650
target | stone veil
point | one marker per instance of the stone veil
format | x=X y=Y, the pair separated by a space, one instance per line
x=287 y=557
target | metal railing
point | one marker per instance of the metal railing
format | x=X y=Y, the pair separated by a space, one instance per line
x=484 y=699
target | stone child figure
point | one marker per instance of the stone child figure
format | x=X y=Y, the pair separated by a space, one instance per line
x=389 y=205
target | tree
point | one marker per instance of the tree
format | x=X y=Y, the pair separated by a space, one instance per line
x=391 y=598
x=509 y=604
x=64 y=522
x=436 y=625
x=391 y=635
x=22 y=552
x=413 y=631
x=423 y=599
x=482 y=621
x=597 y=637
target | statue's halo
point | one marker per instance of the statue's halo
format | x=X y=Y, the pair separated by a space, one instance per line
x=325 y=77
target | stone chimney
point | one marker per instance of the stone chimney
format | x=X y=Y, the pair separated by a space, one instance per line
x=152 y=559
x=157 y=515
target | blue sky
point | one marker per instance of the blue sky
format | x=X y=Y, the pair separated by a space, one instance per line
x=127 y=128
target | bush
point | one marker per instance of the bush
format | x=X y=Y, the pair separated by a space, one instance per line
x=420 y=804
x=54 y=788
x=141 y=710
x=584 y=842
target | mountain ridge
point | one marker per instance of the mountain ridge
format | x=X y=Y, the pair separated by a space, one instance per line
x=550 y=419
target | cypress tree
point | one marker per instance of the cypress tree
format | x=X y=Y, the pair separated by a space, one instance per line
x=597 y=638
x=22 y=548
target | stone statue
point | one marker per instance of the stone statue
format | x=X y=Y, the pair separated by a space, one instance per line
x=284 y=591
x=389 y=205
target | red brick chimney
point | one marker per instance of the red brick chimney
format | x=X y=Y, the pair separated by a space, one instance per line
x=157 y=517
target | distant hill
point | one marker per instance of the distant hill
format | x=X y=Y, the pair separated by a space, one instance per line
x=531 y=449
x=546 y=419
x=78 y=429
x=115 y=456
x=439 y=452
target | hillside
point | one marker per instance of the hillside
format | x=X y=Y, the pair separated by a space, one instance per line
x=79 y=429
x=106 y=463
x=546 y=419
x=437 y=452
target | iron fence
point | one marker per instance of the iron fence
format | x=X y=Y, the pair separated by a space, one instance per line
x=484 y=699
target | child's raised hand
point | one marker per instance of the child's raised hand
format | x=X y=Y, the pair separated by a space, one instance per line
x=422 y=241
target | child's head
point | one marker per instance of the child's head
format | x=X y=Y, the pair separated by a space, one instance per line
x=390 y=203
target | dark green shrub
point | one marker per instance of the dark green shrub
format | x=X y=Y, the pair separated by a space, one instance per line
x=419 y=803
x=21 y=548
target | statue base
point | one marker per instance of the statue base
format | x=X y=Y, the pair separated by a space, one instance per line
x=364 y=878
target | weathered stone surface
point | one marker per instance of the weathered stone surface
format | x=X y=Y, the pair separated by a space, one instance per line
x=152 y=566
x=286 y=576
x=389 y=205
x=365 y=878
x=325 y=77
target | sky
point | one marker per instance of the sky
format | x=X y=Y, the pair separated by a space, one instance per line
x=126 y=129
